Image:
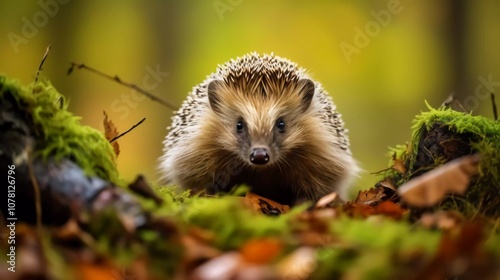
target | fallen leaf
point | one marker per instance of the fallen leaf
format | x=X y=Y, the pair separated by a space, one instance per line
x=315 y=239
x=111 y=132
x=372 y=196
x=389 y=209
x=264 y=205
x=398 y=164
x=318 y=220
x=431 y=187
x=261 y=251
x=358 y=209
x=390 y=190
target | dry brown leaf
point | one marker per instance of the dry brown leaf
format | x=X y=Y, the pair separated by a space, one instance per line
x=389 y=188
x=390 y=209
x=111 y=132
x=261 y=250
x=431 y=187
x=398 y=164
x=318 y=220
x=264 y=205
x=372 y=196
x=358 y=209
x=315 y=239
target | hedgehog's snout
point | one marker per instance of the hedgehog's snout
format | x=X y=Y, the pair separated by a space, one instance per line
x=259 y=156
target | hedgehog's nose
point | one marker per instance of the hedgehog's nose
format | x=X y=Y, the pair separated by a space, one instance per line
x=259 y=156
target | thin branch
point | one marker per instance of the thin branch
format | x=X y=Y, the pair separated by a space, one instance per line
x=495 y=114
x=135 y=125
x=121 y=82
x=41 y=63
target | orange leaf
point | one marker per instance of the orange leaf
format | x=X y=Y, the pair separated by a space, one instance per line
x=431 y=187
x=87 y=271
x=370 y=197
x=261 y=251
x=390 y=209
x=358 y=209
x=111 y=132
x=264 y=205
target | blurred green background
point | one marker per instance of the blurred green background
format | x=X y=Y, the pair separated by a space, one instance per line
x=378 y=59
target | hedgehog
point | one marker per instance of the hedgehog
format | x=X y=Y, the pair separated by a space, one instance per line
x=259 y=121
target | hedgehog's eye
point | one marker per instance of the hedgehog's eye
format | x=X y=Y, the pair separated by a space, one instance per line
x=239 y=126
x=280 y=124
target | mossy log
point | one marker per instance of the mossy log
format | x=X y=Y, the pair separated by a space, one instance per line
x=441 y=135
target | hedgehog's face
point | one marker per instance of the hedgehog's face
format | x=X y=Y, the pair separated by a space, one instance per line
x=261 y=127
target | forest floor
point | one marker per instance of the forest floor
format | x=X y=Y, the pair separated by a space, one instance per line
x=434 y=214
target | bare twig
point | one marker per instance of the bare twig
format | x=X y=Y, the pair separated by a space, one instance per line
x=41 y=63
x=495 y=114
x=121 y=82
x=135 y=125
x=450 y=100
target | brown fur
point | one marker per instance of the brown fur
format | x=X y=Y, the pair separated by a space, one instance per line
x=311 y=158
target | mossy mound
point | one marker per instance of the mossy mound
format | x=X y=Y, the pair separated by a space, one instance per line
x=57 y=131
x=441 y=135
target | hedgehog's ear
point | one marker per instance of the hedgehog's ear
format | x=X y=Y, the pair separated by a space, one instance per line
x=214 y=99
x=307 y=89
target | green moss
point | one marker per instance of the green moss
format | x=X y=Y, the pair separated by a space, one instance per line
x=233 y=223
x=369 y=249
x=379 y=233
x=58 y=132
